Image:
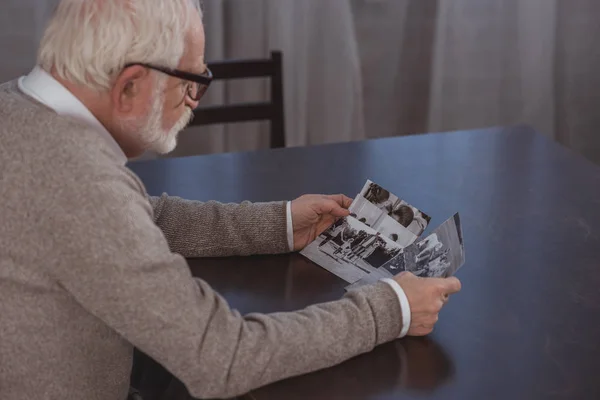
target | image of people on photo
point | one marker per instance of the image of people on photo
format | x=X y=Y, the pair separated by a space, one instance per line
x=398 y=263
x=379 y=196
x=418 y=224
x=374 y=203
x=357 y=246
x=432 y=260
x=367 y=213
x=403 y=214
x=332 y=249
x=334 y=232
x=395 y=232
x=438 y=255
x=350 y=247
x=382 y=255
x=409 y=217
x=350 y=240
x=366 y=245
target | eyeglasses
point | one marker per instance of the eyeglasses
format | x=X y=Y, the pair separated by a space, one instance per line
x=197 y=86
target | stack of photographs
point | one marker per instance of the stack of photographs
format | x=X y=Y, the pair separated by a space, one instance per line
x=381 y=238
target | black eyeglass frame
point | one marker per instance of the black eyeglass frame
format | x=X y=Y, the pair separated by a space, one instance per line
x=203 y=80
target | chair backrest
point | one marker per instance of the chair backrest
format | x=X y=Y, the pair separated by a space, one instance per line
x=272 y=110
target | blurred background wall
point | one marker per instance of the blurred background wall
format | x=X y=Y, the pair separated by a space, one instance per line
x=357 y=69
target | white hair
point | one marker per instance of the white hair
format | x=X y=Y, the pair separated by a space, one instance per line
x=89 y=42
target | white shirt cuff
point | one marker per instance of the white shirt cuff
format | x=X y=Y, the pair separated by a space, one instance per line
x=290 y=226
x=404 y=305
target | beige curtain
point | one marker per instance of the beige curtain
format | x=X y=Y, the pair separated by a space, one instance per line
x=373 y=68
x=322 y=76
x=463 y=64
x=21 y=27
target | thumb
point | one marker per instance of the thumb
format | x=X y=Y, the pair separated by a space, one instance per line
x=453 y=285
x=407 y=274
x=450 y=285
x=332 y=207
x=342 y=200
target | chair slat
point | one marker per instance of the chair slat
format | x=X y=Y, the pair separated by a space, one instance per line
x=233 y=113
x=242 y=69
x=272 y=111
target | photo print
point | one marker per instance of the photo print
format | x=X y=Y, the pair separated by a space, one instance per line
x=374 y=203
x=372 y=216
x=350 y=249
x=381 y=238
x=440 y=254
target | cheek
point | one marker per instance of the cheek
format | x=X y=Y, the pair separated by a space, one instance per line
x=174 y=109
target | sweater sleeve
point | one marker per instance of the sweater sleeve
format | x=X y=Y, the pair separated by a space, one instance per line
x=120 y=269
x=214 y=229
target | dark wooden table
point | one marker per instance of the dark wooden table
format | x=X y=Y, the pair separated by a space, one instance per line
x=527 y=322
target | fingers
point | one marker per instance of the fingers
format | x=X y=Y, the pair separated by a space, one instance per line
x=436 y=306
x=445 y=298
x=452 y=285
x=342 y=200
x=405 y=275
x=445 y=285
x=427 y=297
x=420 y=331
x=431 y=320
x=331 y=206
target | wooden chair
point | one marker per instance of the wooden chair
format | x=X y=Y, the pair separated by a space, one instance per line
x=272 y=110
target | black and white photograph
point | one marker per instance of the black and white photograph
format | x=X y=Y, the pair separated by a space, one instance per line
x=350 y=249
x=375 y=202
x=440 y=254
x=378 y=196
x=409 y=217
x=366 y=212
x=389 y=228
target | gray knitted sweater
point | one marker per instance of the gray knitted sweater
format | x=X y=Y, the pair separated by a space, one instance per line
x=90 y=267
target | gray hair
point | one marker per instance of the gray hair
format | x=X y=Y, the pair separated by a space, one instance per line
x=89 y=42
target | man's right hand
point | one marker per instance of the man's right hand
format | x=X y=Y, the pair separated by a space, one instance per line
x=426 y=297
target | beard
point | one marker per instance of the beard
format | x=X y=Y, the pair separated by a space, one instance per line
x=149 y=133
x=152 y=133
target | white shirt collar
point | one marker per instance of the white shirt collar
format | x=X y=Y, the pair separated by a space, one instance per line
x=41 y=86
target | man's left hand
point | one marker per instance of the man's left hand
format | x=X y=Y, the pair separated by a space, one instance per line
x=312 y=214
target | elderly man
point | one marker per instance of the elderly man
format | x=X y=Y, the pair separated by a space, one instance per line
x=91 y=267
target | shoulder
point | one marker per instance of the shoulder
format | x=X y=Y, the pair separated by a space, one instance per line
x=47 y=158
x=32 y=131
x=47 y=146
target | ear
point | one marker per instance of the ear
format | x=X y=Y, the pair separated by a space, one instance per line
x=128 y=86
